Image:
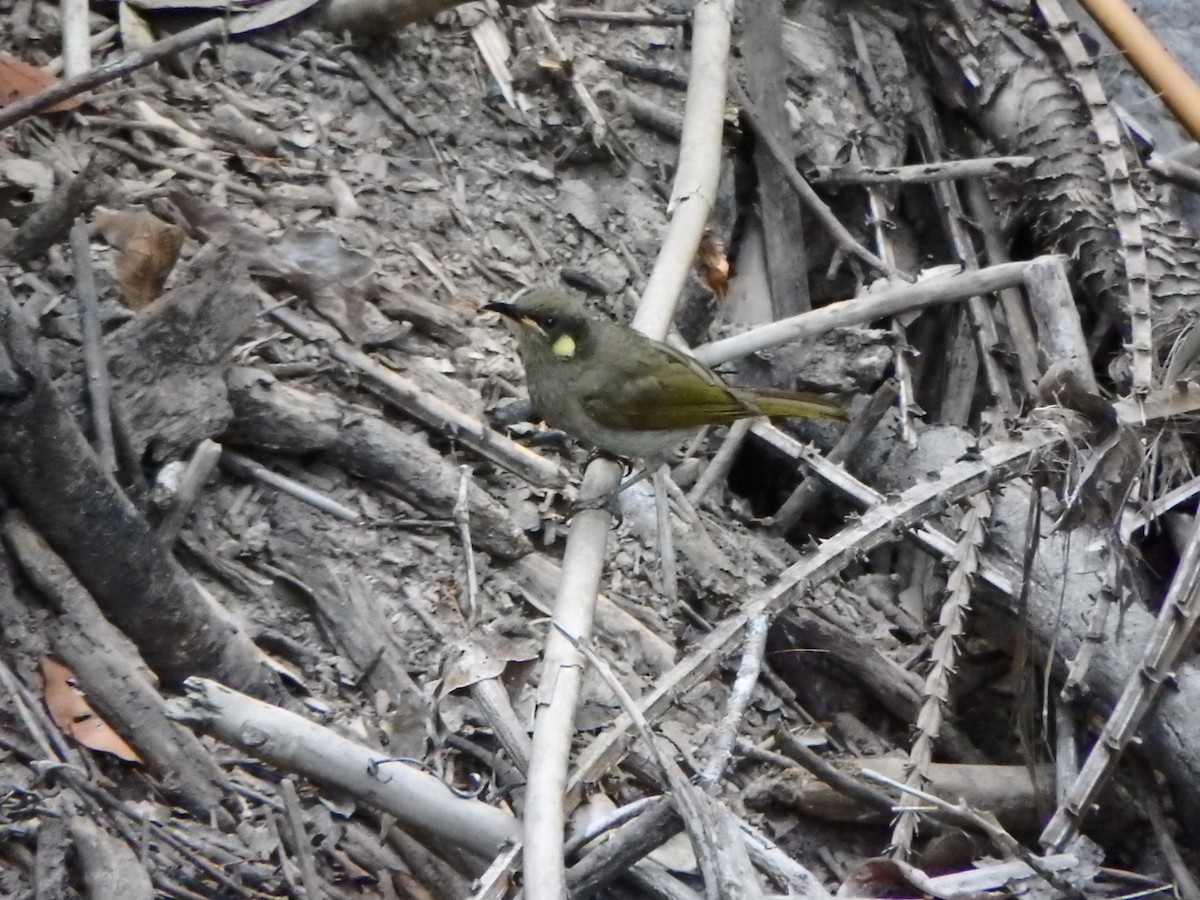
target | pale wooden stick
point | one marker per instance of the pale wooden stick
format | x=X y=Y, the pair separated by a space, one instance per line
x=562 y=669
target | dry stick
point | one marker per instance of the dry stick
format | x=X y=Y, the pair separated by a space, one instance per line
x=754 y=646
x=382 y=92
x=139 y=59
x=693 y=194
x=94 y=363
x=292 y=742
x=1135 y=521
x=1173 y=630
x=668 y=568
x=95 y=42
x=461 y=514
x=313 y=886
x=601 y=134
x=1066 y=749
x=867 y=308
x=922 y=173
x=866 y=497
x=577 y=14
x=77 y=57
x=1060 y=333
x=1174 y=171
x=245 y=467
x=204 y=459
x=721 y=462
x=831 y=775
x=432 y=410
x=944 y=657
x=53 y=219
x=986 y=338
x=807 y=492
x=841 y=237
x=163 y=162
x=686 y=798
x=784 y=245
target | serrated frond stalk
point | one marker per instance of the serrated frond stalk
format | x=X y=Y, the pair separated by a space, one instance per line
x=951 y=625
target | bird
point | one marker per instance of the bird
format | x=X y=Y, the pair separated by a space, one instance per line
x=624 y=393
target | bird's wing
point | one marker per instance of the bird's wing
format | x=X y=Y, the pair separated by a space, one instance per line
x=679 y=394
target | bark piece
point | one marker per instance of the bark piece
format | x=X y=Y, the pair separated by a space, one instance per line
x=111 y=869
x=168 y=364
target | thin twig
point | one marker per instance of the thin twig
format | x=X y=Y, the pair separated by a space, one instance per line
x=313 y=887
x=384 y=94
x=204 y=459
x=248 y=468
x=462 y=510
x=841 y=237
x=922 y=173
x=668 y=571
x=94 y=362
x=139 y=59
x=754 y=647
x=866 y=308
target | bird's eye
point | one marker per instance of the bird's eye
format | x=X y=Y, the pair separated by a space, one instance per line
x=549 y=322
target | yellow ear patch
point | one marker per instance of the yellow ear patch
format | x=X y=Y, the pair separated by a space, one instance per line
x=563 y=347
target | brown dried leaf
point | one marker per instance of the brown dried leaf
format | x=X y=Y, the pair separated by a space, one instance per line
x=712 y=265
x=19 y=80
x=149 y=249
x=71 y=713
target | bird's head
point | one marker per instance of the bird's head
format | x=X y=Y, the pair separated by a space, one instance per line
x=547 y=319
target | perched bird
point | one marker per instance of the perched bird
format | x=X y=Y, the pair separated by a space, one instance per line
x=622 y=392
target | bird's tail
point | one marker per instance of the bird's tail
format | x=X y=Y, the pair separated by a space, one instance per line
x=792 y=404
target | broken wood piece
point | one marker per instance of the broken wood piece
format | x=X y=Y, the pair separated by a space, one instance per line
x=168 y=363
x=183 y=494
x=248 y=468
x=284 y=739
x=653 y=116
x=600 y=132
x=94 y=362
x=779 y=209
x=1059 y=332
x=618 y=17
x=922 y=173
x=865 y=308
x=434 y=411
x=808 y=491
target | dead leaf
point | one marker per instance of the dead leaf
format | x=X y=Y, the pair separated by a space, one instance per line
x=19 y=80
x=70 y=711
x=149 y=249
x=712 y=265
